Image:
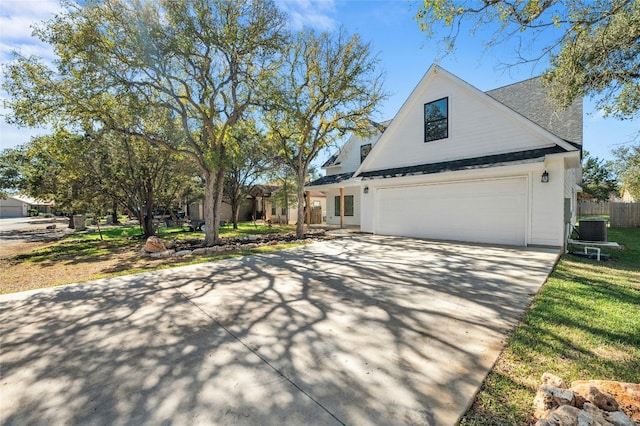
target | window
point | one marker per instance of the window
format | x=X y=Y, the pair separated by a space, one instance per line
x=364 y=151
x=436 y=120
x=284 y=211
x=273 y=210
x=348 y=205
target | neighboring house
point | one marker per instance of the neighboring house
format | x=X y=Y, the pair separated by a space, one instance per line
x=460 y=164
x=259 y=204
x=196 y=211
x=624 y=197
x=20 y=206
x=276 y=210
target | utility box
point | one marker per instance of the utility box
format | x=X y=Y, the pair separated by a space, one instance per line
x=593 y=230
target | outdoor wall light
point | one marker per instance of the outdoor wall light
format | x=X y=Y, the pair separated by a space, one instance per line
x=545 y=177
x=366 y=189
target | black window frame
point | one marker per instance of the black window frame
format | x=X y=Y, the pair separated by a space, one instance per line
x=432 y=130
x=366 y=147
x=347 y=204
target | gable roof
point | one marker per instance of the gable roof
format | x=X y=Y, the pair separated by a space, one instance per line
x=338 y=157
x=436 y=71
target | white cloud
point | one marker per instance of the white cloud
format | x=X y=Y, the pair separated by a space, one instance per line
x=17 y=18
x=310 y=13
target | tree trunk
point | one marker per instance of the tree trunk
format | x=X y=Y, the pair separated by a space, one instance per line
x=300 y=221
x=218 y=194
x=235 y=210
x=147 y=225
x=214 y=189
x=211 y=230
x=236 y=213
x=114 y=213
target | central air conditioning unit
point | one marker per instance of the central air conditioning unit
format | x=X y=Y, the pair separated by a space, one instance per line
x=593 y=230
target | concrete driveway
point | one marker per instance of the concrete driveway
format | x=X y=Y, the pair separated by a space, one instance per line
x=359 y=330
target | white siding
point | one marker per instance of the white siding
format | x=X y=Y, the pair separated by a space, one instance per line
x=547 y=212
x=478 y=126
x=11 y=207
x=332 y=218
x=350 y=156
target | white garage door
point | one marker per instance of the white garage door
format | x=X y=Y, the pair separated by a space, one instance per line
x=486 y=211
x=10 y=211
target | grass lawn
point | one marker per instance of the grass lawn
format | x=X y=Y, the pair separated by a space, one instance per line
x=84 y=256
x=584 y=324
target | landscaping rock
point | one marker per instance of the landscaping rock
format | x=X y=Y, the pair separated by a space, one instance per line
x=182 y=253
x=553 y=380
x=619 y=418
x=155 y=245
x=627 y=395
x=564 y=416
x=549 y=398
x=199 y=251
x=587 y=402
x=162 y=254
x=51 y=226
x=253 y=237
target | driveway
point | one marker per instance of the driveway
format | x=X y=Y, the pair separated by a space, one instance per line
x=358 y=330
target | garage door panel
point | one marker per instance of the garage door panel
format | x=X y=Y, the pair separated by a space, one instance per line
x=10 y=211
x=492 y=211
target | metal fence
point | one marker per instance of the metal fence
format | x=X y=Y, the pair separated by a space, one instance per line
x=621 y=215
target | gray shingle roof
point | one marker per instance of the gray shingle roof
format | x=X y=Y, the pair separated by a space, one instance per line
x=467 y=163
x=327 y=180
x=529 y=98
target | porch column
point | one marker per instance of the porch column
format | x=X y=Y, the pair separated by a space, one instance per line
x=307 y=196
x=341 y=207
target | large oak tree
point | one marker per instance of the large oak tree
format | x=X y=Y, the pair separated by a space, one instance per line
x=201 y=63
x=329 y=84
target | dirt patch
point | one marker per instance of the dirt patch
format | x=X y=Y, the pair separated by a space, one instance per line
x=17 y=275
x=17 y=241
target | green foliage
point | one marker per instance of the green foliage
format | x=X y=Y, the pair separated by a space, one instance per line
x=593 y=45
x=249 y=157
x=598 y=180
x=627 y=164
x=12 y=177
x=328 y=85
x=125 y=65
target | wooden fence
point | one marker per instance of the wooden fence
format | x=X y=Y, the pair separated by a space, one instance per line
x=621 y=215
x=588 y=208
x=625 y=215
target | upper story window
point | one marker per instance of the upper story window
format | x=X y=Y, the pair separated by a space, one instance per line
x=436 y=120
x=364 y=151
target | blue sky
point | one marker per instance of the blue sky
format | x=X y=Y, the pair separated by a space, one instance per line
x=404 y=51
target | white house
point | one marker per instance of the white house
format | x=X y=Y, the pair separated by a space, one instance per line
x=20 y=205
x=460 y=164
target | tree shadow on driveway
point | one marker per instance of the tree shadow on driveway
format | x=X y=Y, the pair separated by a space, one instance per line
x=359 y=330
